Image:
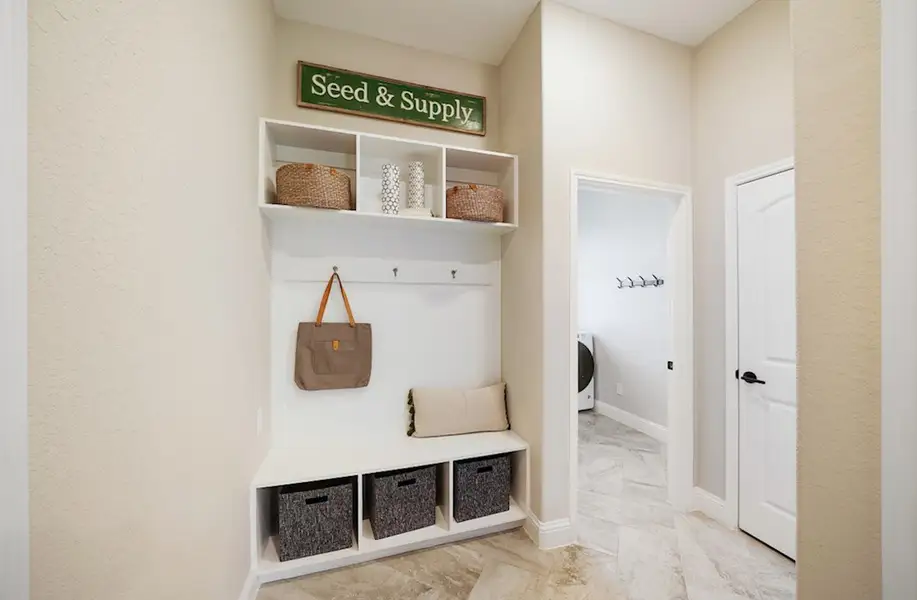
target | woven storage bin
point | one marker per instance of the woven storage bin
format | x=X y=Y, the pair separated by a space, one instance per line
x=314 y=518
x=482 y=487
x=402 y=501
x=317 y=186
x=475 y=203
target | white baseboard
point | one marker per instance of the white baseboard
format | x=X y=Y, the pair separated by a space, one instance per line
x=654 y=430
x=250 y=588
x=713 y=507
x=551 y=534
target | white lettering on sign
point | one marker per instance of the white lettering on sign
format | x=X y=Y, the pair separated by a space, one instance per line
x=362 y=93
x=444 y=111
x=320 y=87
x=432 y=109
x=318 y=84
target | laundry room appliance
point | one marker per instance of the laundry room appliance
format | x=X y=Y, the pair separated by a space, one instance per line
x=586 y=381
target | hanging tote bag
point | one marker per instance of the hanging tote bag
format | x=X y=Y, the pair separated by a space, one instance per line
x=333 y=356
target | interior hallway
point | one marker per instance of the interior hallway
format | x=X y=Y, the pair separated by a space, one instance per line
x=661 y=553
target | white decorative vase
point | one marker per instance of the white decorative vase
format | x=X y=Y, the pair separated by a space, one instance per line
x=415 y=185
x=391 y=189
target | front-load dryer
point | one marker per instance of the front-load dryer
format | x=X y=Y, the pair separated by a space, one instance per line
x=586 y=380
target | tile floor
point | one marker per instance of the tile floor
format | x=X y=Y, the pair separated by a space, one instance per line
x=663 y=554
x=633 y=546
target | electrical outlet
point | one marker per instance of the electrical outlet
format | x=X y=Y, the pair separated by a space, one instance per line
x=620 y=389
x=260 y=420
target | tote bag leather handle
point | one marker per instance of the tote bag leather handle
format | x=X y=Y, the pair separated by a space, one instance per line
x=327 y=294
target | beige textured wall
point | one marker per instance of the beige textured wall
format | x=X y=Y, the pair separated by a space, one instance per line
x=837 y=78
x=617 y=102
x=743 y=119
x=520 y=130
x=148 y=295
x=297 y=41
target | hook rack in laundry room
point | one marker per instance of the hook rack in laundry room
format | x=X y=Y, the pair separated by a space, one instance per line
x=641 y=282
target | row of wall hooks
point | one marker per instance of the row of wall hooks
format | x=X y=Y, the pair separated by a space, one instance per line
x=628 y=282
x=454 y=272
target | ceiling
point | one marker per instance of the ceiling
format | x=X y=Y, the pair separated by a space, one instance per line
x=484 y=30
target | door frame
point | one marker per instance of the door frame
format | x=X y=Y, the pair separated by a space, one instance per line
x=899 y=299
x=14 y=491
x=680 y=444
x=731 y=279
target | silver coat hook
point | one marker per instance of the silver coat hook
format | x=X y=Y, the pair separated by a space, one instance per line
x=395 y=272
x=334 y=268
x=631 y=282
x=642 y=281
x=454 y=271
x=620 y=283
x=655 y=280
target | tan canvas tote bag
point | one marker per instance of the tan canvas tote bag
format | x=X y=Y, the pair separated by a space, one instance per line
x=333 y=356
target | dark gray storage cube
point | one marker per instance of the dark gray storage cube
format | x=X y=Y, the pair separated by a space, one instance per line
x=401 y=501
x=482 y=487
x=315 y=518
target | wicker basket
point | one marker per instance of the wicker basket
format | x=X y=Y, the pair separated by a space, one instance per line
x=313 y=185
x=475 y=203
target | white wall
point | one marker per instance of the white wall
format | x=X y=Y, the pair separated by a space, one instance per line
x=428 y=330
x=619 y=103
x=295 y=41
x=14 y=493
x=743 y=119
x=148 y=295
x=521 y=318
x=623 y=235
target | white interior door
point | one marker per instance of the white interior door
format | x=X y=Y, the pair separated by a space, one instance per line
x=767 y=360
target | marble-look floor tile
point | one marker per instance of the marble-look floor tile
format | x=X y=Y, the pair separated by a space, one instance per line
x=597 y=534
x=623 y=512
x=600 y=473
x=452 y=571
x=283 y=590
x=703 y=576
x=602 y=430
x=716 y=558
x=370 y=581
x=513 y=548
x=649 y=566
x=716 y=563
x=645 y=467
x=500 y=581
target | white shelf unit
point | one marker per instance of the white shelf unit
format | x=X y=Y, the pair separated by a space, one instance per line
x=361 y=157
x=304 y=464
x=431 y=288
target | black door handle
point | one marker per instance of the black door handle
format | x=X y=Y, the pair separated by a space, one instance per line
x=750 y=377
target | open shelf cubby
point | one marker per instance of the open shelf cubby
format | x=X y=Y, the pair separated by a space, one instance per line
x=282 y=467
x=361 y=157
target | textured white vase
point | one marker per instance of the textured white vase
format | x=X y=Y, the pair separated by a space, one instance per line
x=391 y=189
x=415 y=185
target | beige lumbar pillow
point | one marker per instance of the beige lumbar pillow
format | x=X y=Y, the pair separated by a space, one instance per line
x=439 y=411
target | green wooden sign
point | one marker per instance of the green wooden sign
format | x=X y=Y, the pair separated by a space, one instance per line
x=338 y=90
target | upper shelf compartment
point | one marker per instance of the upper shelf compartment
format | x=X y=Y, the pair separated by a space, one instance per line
x=485 y=168
x=361 y=157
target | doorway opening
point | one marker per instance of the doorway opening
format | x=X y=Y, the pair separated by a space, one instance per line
x=632 y=491
x=632 y=309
